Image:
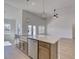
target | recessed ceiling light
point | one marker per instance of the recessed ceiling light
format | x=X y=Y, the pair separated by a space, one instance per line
x=32 y=3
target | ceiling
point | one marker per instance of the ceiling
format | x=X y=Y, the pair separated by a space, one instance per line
x=35 y=6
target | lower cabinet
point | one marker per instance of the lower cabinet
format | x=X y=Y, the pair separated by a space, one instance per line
x=43 y=53
x=41 y=50
x=22 y=45
x=44 y=50
x=47 y=50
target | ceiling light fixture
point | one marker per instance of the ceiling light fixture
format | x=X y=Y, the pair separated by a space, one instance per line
x=44 y=15
x=32 y=3
x=27 y=0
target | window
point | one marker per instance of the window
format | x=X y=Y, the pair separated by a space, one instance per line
x=41 y=29
x=29 y=30
x=32 y=30
x=7 y=27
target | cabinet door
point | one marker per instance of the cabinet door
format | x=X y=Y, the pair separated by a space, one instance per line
x=43 y=53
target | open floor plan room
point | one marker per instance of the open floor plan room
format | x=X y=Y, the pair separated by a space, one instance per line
x=39 y=29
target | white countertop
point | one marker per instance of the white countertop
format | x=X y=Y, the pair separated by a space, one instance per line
x=23 y=38
x=49 y=39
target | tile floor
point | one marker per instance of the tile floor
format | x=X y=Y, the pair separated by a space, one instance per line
x=11 y=52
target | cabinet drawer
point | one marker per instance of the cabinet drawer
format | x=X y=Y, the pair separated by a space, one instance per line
x=43 y=44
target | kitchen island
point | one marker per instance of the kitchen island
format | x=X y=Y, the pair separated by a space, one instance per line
x=48 y=47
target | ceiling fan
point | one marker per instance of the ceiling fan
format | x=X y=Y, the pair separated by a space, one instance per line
x=55 y=14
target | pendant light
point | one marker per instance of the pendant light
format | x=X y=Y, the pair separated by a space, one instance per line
x=44 y=15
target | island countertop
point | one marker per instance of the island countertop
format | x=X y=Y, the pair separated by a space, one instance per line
x=48 y=39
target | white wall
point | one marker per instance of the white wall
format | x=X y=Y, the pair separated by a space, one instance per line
x=62 y=26
x=13 y=14
x=19 y=21
x=59 y=27
x=33 y=20
x=10 y=12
